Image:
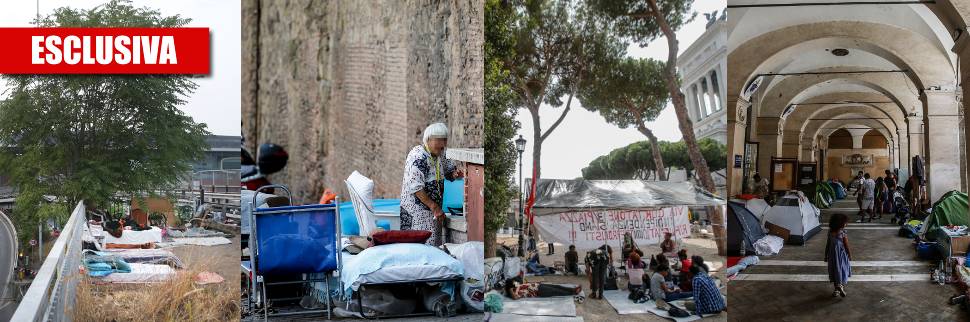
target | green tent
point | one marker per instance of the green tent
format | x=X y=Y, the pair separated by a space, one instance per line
x=951 y=209
x=823 y=194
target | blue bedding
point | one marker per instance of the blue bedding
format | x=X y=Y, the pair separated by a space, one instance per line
x=394 y=255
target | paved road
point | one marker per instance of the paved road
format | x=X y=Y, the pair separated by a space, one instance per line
x=888 y=283
x=8 y=258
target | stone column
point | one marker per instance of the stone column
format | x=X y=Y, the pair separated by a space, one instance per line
x=962 y=49
x=690 y=103
x=943 y=157
x=914 y=125
x=721 y=81
x=857 y=135
x=769 y=143
x=712 y=98
x=699 y=96
x=736 y=127
x=807 y=150
x=790 y=144
x=902 y=151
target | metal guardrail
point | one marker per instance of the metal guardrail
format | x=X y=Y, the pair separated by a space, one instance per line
x=52 y=291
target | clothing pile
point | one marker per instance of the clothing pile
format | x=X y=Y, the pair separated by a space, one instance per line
x=768 y=245
x=742 y=264
x=98 y=265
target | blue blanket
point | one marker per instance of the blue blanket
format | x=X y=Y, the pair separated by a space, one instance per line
x=394 y=255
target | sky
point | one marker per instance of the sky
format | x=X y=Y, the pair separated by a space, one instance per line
x=217 y=99
x=584 y=135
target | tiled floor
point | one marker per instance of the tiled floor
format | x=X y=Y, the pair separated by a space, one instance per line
x=893 y=285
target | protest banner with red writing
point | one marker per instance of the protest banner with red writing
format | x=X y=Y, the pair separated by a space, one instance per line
x=588 y=229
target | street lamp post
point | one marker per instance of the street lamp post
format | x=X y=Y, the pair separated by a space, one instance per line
x=520 y=146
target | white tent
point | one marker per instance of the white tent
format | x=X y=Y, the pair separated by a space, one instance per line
x=795 y=213
x=758 y=207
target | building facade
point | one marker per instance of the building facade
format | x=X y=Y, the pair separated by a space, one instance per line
x=703 y=68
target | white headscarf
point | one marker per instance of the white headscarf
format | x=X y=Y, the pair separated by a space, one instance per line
x=435 y=131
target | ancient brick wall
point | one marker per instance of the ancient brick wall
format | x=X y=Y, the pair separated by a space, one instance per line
x=351 y=85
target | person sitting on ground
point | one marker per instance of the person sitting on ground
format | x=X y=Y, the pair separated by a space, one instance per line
x=707 y=298
x=668 y=245
x=659 y=290
x=572 y=261
x=534 y=267
x=698 y=261
x=634 y=271
x=681 y=273
x=760 y=187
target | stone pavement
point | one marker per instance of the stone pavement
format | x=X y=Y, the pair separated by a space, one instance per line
x=889 y=282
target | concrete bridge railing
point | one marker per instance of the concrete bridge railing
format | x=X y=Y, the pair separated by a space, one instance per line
x=52 y=291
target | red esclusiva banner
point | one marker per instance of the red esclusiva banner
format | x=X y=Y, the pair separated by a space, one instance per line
x=104 y=51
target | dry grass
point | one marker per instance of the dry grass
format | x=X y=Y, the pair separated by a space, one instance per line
x=178 y=299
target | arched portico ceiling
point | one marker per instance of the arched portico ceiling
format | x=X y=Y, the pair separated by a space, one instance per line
x=859 y=113
x=825 y=128
x=773 y=51
x=799 y=90
x=747 y=23
x=954 y=14
x=841 y=111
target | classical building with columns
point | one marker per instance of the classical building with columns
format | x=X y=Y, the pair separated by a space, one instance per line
x=703 y=68
x=846 y=87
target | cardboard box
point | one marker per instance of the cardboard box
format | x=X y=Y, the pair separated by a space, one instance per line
x=959 y=245
x=778 y=231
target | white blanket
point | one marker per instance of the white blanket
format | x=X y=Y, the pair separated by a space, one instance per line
x=202 y=241
x=141 y=273
x=768 y=245
x=623 y=306
x=131 y=237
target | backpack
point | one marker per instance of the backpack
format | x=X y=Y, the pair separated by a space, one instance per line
x=677 y=312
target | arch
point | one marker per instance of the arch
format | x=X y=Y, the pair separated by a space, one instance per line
x=874 y=140
x=840 y=139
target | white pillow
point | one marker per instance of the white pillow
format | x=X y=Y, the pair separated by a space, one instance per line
x=364 y=187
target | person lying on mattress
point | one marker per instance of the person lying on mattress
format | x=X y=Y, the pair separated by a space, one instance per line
x=422 y=191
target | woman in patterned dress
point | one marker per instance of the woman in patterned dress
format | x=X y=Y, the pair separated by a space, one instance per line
x=422 y=192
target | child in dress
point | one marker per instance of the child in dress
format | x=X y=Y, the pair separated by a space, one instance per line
x=837 y=254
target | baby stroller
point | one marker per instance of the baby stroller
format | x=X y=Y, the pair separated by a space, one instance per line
x=902 y=207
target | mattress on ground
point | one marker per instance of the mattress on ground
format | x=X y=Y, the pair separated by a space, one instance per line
x=506 y=317
x=131 y=237
x=140 y=273
x=396 y=263
x=540 y=306
x=145 y=256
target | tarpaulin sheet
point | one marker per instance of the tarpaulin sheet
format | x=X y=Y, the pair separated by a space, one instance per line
x=557 y=195
x=296 y=239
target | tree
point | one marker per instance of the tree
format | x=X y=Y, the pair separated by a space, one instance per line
x=556 y=46
x=629 y=92
x=96 y=137
x=633 y=161
x=500 y=121
x=643 y=21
